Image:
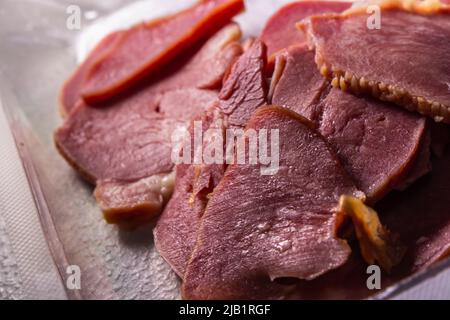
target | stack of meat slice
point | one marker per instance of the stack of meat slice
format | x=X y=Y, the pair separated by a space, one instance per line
x=243 y=92
x=280 y=31
x=418 y=43
x=231 y=232
x=376 y=143
x=404 y=62
x=381 y=147
x=124 y=144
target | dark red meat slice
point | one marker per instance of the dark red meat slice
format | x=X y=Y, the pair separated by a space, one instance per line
x=172 y=103
x=280 y=31
x=259 y=228
x=126 y=142
x=405 y=61
x=377 y=143
x=150 y=46
x=245 y=88
x=421 y=216
x=422 y=164
x=203 y=70
x=176 y=230
x=300 y=85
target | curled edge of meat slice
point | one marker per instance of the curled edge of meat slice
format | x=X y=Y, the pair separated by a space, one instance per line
x=70 y=91
x=280 y=32
x=347 y=81
x=100 y=84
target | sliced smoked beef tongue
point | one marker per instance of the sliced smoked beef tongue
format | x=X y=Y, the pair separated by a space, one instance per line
x=421 y=217
x=259 y=228
x=125 y=146
x=244 y=91
x=150 y=46
x=202 y=67
x=126 y=151
x=70 y=93
x=245 y=88
x=378 y=144
x=404 y=62
x=280 y=31
x=175 y=233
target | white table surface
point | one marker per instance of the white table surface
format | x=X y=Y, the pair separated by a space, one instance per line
x=27 y=270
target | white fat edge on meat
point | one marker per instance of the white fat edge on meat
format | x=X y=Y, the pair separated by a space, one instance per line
x=163 y=184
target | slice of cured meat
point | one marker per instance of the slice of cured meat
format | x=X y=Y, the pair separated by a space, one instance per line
x=377 y=143
x=70 y=92
x=243 y=92
x=176 y=229
x=150 y=46
x=280 y=31
x=203 y=69
x=121 y=148
x=300 y=85
x=259 y=228
x=421 y=216
x=405 y=61
x=126 y=142
x=245 y=88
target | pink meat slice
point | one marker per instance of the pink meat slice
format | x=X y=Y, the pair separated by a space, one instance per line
x=280 y=31
x=151 y=46
x=420 y=216
x=260 y=228
x=124 y=143
x=204 y=69
x=245 y=89
x=176 y=229
x=378 y=144
x=70 y=92
x=171 y=103
x=404 y=62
